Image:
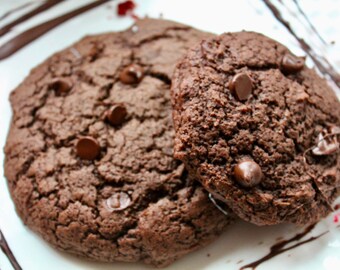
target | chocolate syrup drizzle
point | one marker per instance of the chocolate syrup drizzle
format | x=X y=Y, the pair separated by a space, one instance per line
x=7 y=251
x=10 y=12
x=45 y=6
x=321 y=62
x=280 y=247
x=308 y=21
x=21 y=40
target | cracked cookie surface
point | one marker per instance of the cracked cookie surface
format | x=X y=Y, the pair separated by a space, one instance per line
x=249 y=121
x=102 y=184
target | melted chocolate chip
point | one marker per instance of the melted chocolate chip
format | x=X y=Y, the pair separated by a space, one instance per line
x=116 y=114
x=87 y=148
x=132 y=74
x=292 y=64
x=61 y=86
x=118 y=201
x=324 y=148
x=327 y=143
x=248 y=173
x=241 y=86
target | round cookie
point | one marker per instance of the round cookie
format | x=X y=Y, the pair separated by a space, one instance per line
x=89 y=155
x=258 y=129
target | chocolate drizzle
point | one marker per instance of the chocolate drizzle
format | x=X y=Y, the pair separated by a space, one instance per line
x=281 y=246
x=7 y=251
x=21 y=40
x=45 y=6
x=10 y=12
x=320 y=61
x=308 y=21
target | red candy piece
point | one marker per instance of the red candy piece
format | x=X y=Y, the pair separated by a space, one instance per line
x=125 y=7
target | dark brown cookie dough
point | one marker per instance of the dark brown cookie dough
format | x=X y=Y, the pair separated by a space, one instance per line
x=89 y=156
x=249 y=120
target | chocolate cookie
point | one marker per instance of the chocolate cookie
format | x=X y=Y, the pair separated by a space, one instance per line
x=89 y=155
x=258 y=129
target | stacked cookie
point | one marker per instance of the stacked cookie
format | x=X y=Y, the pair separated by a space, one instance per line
x=94 y=164
x=258 y=129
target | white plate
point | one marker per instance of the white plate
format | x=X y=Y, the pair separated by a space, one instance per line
x=241 y=243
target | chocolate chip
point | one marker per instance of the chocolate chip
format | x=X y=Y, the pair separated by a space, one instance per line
x=60 y=86
x=241 y=86
x=87 y=148
x=248 y=173
x=132 y=74
x=291 y=63
x=327 y=143
x=118 y=201
x=116 y=114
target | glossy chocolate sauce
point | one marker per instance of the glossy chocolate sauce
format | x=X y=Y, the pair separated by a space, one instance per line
x=321 y=62
x=7 y=251
x=45 y=6
x=280 y=247
x=21 y=40
x=12 y=11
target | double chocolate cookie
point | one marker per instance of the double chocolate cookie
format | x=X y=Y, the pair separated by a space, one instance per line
x=258 y=129
x=89 y=155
